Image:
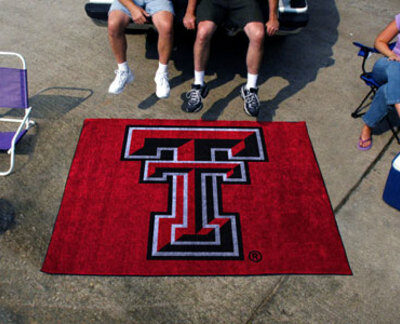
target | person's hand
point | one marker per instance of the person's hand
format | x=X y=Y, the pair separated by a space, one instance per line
x=139 y=15
x=272 y=26
x=189 y=21
x=394 y=57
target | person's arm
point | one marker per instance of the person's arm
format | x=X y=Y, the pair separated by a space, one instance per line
x=139 y=15
x=273 y=24
x=383 y=39
x=189 y=21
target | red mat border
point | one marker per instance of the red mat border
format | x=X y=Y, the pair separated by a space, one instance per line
x=188 y=122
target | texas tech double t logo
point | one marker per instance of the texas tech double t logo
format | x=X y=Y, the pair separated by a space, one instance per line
x=194 y=162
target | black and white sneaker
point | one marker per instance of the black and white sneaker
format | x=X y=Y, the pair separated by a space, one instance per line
x=251 y=103
x=194 y=98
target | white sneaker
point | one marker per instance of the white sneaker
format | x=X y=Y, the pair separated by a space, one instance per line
x=122 y=78
x=162 y=89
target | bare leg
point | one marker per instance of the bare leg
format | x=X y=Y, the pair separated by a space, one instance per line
x=117 y=22
x=255 y=31
x=164 y=21
x=205 y=31
x=397 y=106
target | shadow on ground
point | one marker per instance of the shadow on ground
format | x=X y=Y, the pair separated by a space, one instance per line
x=49 y=104
x=7 y=215
x=53 y=103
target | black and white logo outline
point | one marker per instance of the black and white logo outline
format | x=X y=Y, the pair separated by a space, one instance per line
x=154 y=154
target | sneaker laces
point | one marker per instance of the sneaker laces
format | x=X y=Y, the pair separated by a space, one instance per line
x=163 y=79
x=252 y=99
x=119 y=76
x=194 y=96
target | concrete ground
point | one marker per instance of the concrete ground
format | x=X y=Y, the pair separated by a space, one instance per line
x=312 y=76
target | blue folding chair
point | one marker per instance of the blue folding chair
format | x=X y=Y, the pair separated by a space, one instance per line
x=14 y=95
x=368 y=79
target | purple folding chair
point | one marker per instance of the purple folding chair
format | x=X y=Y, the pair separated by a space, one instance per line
x=14 y=95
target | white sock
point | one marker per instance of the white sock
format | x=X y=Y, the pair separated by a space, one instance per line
x=123 y=66
x=162 y=68
x=251 y=81
x=199 y=77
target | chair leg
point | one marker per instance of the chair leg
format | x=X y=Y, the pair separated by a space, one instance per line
x=357 y=112
x=396 y=136
x=12 y=153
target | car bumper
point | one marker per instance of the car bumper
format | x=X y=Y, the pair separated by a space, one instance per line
x=290 y=22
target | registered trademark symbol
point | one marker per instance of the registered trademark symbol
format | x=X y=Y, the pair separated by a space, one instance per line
x=255 y=256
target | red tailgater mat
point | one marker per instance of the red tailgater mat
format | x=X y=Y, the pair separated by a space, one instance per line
x=180 y=197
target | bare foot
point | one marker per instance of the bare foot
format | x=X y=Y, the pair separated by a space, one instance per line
x=365 y=140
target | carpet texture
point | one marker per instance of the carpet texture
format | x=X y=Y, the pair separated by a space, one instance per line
x=179 y=197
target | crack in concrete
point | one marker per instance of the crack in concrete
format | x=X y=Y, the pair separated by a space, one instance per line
x=363 y=176
x=266 y=300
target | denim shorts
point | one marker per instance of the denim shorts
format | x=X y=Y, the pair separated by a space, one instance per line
x=151 y=6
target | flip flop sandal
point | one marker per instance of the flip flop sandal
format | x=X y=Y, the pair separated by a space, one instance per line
x=361 y=142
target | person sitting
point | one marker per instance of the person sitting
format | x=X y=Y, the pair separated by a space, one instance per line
x=386 y=72
x=162 y=15
x=246 y=14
